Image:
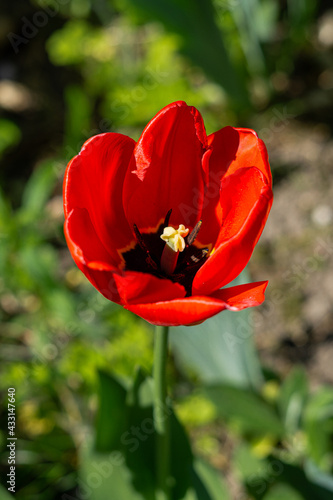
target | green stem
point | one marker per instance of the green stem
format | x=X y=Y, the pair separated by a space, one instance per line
x=161 y=413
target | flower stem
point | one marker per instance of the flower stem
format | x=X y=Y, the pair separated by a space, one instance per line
x=161 y=413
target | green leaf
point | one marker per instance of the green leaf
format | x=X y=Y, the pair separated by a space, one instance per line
x=140 y=452
x=301 y=12
x=221 y=349
x=10 y=135
x=4 y=495
x=266 y=18
x=208 y=483
x=245 y=19
x=318 y=418
x=67 y=46
x=181 y=458
x=126 y=423
x=6 y=219
x=292 y=399
x=140 y=394
x=126 y=426
x=38 y=190
x=283 y=492
x=77 y=125
x=317 y=476
x=112 y=414
x=320 y=406
x=247 y=463
x=134 y=438
x=246 y=409
x=40 y=263
x=106 y=476
x=138 y=440
x=295 y=478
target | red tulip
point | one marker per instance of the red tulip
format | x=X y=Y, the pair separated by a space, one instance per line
x=161 y=225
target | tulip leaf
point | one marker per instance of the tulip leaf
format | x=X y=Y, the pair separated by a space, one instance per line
x=105 y=476
x=292 y=399
x=208 y=483
x=200 y=38
x=125 y=435
x=140 y=451
x=134 y=437
x=111 y=419
x=221 y=349
x=318 y=417
x=246 y=409
x=138 y=440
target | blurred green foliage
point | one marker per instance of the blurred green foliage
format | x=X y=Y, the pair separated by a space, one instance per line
x=125 y=60
x=9 y=135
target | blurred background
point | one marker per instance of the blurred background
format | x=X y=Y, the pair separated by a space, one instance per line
x=252 y=389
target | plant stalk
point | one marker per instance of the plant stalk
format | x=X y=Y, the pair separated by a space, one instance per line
x=161 y=413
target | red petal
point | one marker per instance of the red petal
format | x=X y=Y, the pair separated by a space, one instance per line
x=89 y=253
x=245 y=204
x=94 y=180
x=239 y=194
x=234 y=148
x=196 y=309
x=242 y=296
x=167 y=172
x=135 y=287
x=230 y=149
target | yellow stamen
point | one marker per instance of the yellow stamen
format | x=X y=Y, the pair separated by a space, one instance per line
x=175 y=243
x=175 y=237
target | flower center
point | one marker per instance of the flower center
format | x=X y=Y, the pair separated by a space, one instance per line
x=167 y=253
x=174 y=243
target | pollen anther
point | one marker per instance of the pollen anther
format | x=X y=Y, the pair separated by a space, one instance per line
x=174 y=238
x=174 y=243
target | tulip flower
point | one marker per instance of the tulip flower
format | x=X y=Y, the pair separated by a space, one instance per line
x=162 y=225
